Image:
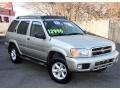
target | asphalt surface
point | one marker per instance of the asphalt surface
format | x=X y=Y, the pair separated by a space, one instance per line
x=31 y=75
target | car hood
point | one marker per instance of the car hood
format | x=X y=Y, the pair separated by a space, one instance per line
x=84 y=41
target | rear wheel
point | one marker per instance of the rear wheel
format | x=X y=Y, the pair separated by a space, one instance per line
x=14 y=54
x=59 y=71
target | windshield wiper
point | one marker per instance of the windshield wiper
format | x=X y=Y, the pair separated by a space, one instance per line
x=74 y=34
x=68 y=34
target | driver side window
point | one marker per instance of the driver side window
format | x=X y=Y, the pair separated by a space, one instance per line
x=36 y=28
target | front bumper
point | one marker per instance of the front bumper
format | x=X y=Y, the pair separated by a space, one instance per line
x=92 y=63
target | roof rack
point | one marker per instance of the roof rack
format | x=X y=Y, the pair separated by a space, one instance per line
x=41 y=17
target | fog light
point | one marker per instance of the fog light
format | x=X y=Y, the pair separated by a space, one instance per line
x=79 y=66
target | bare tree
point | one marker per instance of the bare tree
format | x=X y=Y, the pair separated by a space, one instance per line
x=76 y=11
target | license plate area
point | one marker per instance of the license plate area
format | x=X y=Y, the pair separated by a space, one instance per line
x=103 y=64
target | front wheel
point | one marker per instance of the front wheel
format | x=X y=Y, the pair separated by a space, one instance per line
x=59 y=71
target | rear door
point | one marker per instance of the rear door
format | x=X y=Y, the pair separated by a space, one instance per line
x=21 y=37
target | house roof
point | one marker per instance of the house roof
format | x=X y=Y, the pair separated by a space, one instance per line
x=7 y=12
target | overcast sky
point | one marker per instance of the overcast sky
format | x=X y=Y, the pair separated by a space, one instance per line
x=19 y=10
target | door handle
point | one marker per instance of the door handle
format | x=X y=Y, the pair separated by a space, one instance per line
x=28 y=38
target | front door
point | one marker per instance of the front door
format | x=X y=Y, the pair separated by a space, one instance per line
x=36 y=46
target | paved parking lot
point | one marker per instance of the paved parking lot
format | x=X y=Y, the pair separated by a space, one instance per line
x=29 y=75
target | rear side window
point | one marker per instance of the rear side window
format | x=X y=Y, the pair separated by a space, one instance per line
x=22 y=28
x=13 y=26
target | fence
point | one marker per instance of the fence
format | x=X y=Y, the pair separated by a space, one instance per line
x=114 y=31
x=104 y=28
x=98 y=27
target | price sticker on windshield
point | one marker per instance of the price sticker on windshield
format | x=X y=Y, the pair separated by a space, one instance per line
x=55 y=31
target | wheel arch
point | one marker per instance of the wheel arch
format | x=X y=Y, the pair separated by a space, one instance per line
x=52 y=53
x=13 y=42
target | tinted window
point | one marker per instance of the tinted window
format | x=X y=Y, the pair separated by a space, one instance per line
x=36 y=28
x=13 y=26
x=6 y=19
x=0 y=19
x=22 y=28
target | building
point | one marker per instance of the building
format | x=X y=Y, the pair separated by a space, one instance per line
x=6 y=12
x=6 y=15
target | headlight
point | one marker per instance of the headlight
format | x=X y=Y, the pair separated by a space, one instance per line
x=113 y=47
x=80 y=52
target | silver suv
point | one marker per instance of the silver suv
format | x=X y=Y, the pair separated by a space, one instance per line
x=60 y=45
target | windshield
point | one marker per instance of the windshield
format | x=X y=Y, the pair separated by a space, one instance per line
x=62 y=27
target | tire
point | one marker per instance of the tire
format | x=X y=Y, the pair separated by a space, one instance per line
x=59 y=71
x=101 y=70
x=14 y=54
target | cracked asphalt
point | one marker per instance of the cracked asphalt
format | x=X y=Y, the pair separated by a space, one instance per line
x=31 y=75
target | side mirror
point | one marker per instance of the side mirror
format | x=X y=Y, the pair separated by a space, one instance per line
x=39 y=35
x=85 y=31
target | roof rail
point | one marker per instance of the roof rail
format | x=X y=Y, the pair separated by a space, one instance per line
x=41 y=17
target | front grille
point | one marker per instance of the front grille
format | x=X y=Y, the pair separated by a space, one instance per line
x=101 y=50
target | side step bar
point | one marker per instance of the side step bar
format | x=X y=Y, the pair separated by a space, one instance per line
x=34 y=60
